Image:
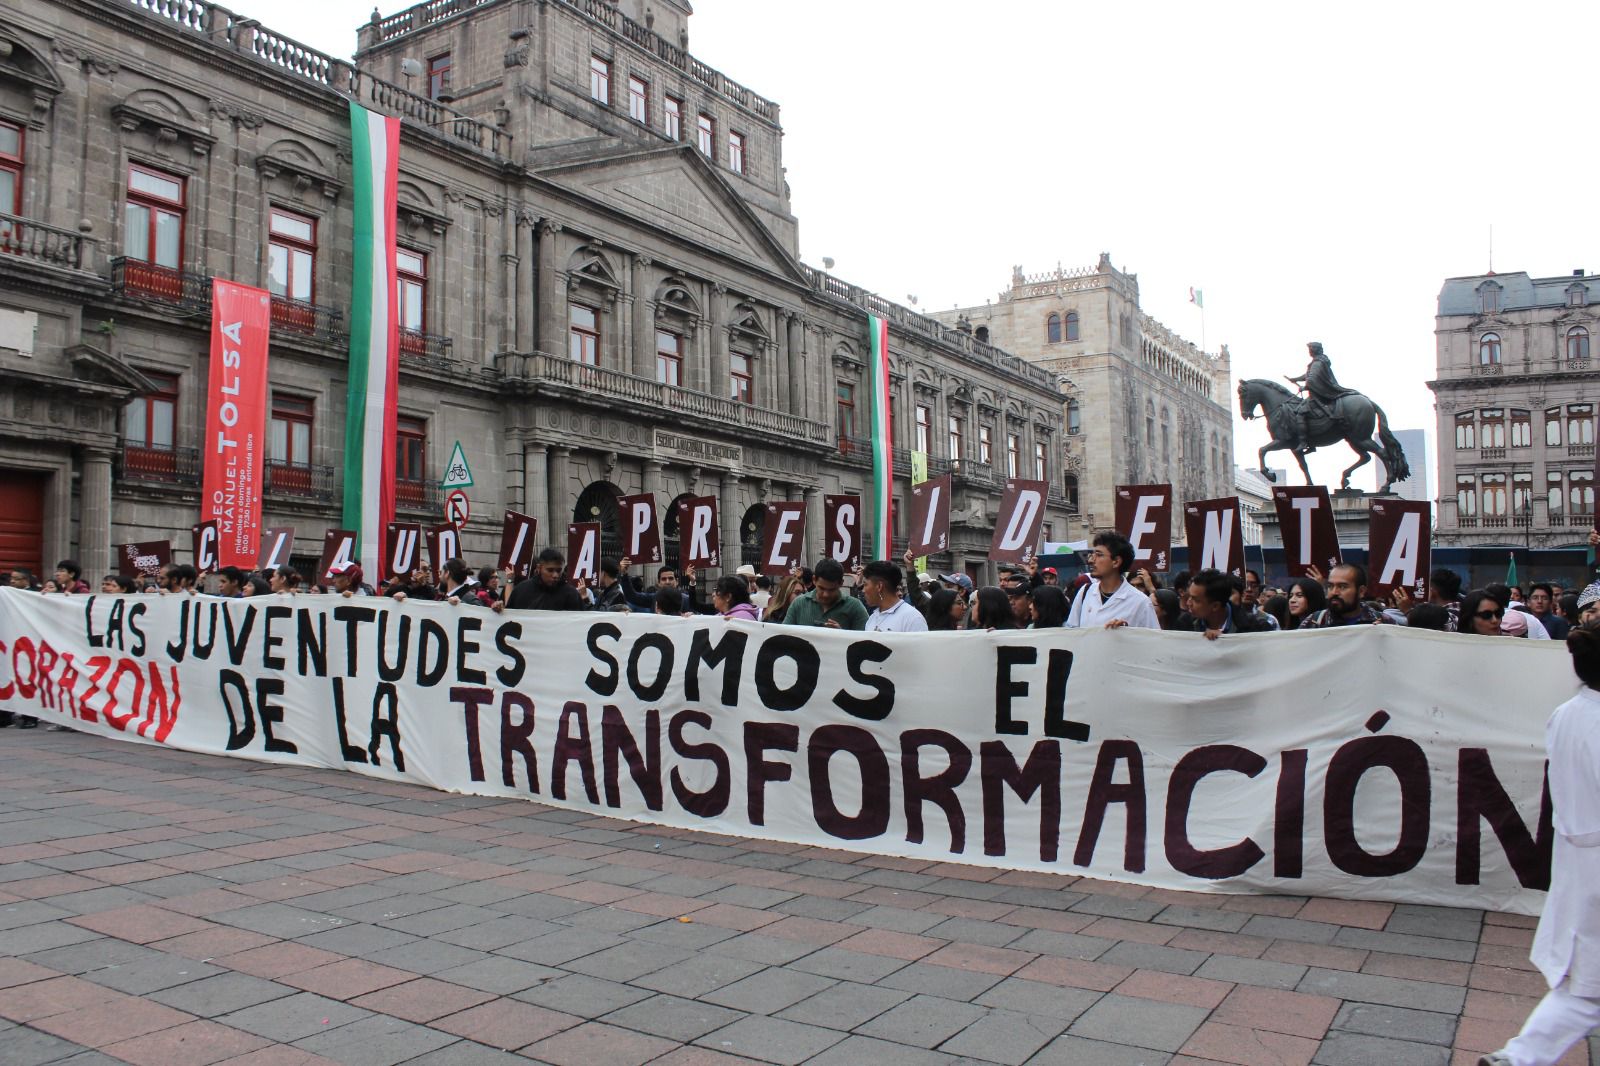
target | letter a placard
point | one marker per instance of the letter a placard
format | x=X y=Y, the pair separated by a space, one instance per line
x=1215 y=532
x=1399 y=547
x=842 y=520
x=1144 y=515
x=930 y=516
x=583 y=550
x=1017 y=526
x=1305 y=521
x=641 y=536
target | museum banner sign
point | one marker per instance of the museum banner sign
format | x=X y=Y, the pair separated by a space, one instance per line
x=1319 y=763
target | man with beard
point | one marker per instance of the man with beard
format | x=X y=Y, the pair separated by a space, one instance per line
x=1347 y=585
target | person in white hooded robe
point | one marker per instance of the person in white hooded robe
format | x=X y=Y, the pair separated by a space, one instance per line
x=1566 y=947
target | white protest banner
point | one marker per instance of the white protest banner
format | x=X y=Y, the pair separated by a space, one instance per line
x=1068 y=751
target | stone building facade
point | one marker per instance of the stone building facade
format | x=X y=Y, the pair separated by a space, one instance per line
x=1143 y=405
x=598 y=297
x=1515 y=394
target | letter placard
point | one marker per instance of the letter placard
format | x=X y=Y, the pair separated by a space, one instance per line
x=1215 y=531
x=641 y=536
x=402 y=550
x=842 y=519
x=583 y=550
x=1017 y=526
x=338 y=546
x=697 y=532
x=236 y=420
x=205 y=546
x=519 y=536
x=1144 y=516
x=930 y=516
x=444 y=544
x=1399 y=547
x=144 y=559
x=277 y=544
x=783 y=537
x=1305 y=521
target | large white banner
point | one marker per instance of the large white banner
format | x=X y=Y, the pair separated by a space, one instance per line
x=1368 y=763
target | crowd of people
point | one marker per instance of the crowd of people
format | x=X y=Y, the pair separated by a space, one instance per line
x=883 y=596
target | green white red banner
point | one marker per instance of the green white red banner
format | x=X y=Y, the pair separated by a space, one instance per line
x=882 y=440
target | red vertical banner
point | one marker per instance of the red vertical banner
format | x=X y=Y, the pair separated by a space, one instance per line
x=1215 y=532
x=783 y=537
x=583 y=551
x=234 y=444
x=841 y=519
x=1017 y=525
x=930 y=516
x=641 y=536
x=205 y=546
x=1305 y=524
x=697 y=533
x=1144 y=516
x=518 y=543
x=1399 y=547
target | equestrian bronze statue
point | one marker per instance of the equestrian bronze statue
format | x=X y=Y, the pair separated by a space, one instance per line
x=1325 y=414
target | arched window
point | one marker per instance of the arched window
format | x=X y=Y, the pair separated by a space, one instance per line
x=1074 y=417
x=1072 y=325
x=1577 y=343
x=1052 y=328
x=1069 y=489
x=670 y=533
x=598 y=503
x=751 y=526
x=982 y=333
x=1489 y=349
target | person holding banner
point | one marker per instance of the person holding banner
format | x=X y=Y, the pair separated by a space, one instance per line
x=1566 y=947
x=1211 y=607
x=284 y=579
x=546 y=589
x=826 y=605
x=1109 y=601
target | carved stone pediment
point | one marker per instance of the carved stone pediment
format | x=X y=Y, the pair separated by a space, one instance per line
x=297 y=169
x=165 y=119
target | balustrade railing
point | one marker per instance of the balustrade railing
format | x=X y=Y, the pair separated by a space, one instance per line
x=417 y=495
x=160 y=465
x=299 y=482
x=418 y=345
x=27 y=239
x=1580 y=451
x=299 y=318
x=136 y=279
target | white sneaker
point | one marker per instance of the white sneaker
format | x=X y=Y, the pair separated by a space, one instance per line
x=1496 y=1058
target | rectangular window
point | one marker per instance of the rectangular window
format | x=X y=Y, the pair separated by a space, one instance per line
x=584 y=325
x=706 y=133
x=1013 y=454
x=743 y=383
x=411 y=290
x=736 y=152
x=1466 y=432
x=924 y=429
x=1521 y=429
x=958 y=430
x=639 y=100
x=845 y=406
x=153 y=218
x=438 y=76
x=1494 y=494
x=1040 y=467
x=1522 y=494
x=150 y=421
x=1580 y=423
x=1492 y=431
x=672 y=110
x=410 y=452
x=1580 y=491
x=1553 y=494
x=11 y=139
x=1466 y=496
x=600 y=80
x=985 y=446
x=669 y=358
x=1491 y=298
x=1552 y=427
x=289 y=431
x=291 y=255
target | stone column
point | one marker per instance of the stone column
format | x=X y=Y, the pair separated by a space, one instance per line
x=653 y=481
x=644 y=333
x=777 y=370
x=552 y=292
x=732 y=513
x=795 y=331
x=716 y=382
x=559 y=506
x=516 y=471
x=94 y=521
x=536 y=488
x=816 y=535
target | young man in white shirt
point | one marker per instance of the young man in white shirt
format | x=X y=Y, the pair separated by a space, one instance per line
x=880 y=587
x=1108 y=600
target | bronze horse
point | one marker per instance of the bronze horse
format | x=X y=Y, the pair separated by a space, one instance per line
x=1355 y=416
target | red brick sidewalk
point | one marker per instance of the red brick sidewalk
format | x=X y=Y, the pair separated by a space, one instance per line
x=170 y=909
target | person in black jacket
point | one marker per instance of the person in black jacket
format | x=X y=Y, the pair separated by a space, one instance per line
x=1212 y=611
x=546 y=589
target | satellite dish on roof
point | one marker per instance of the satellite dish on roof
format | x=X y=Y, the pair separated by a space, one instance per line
x=411 y=68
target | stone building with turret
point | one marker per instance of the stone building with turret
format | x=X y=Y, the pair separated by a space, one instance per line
x=1142 y=405
x=600 y=284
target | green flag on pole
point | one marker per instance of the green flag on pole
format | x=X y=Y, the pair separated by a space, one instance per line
x=1511 y=569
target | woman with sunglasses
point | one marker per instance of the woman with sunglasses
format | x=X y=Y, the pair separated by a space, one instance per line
x=1481 y=614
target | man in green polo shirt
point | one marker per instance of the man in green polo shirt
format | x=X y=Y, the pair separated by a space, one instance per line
x=826 y=604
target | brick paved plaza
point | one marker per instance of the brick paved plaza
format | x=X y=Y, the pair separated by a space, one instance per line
x=170 y=909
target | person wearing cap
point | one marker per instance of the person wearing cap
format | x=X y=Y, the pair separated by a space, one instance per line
x=826 y=604
x=961 y=582
x=747 y=572
x=1108 y=600
x=1514 y=624
x=1048 y=576
x=346 y=580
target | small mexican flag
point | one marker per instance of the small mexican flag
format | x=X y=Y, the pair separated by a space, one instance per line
x=1511 y=568
x=374 y=372
x=882 y=441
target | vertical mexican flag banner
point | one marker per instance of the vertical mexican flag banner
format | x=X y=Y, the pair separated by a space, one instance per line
x=374 y=336
x=882 y=441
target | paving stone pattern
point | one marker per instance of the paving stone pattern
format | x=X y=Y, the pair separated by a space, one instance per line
x=170 y=909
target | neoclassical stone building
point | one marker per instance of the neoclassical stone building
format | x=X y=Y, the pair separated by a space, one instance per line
x=1143 y=405
x=1516 y=393
x=599 y=269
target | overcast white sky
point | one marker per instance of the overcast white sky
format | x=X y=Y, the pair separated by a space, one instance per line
x=1316 y=170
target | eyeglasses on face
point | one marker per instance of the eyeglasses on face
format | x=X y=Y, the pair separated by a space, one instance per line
x=1491 y=615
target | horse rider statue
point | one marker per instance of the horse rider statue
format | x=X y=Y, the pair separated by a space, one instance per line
x=1322 y=391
